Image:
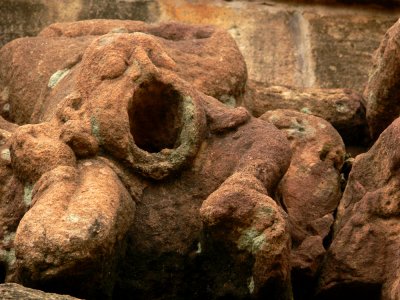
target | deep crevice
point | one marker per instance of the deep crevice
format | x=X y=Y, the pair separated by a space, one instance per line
x=352 y=291
x=3 y=272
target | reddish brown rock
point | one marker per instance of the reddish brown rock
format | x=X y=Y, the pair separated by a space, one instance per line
x=201 y=55
x=78 y=218
x=39 y=59
x=189 y=49
x=246 y=225
x=35 y=150
x=124 y=117
x=382 y=90
x=363 y=257
x=14 y=201
x=168 y=224
x=343 y=108
x=13 y=291
x=310 y=190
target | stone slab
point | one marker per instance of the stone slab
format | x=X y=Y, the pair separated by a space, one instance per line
x=342 y=45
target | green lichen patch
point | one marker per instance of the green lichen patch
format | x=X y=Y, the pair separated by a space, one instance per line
x=5 y=155
x=251 y=285
x=300 y=128
x=95 y=127
x=342 y=107
x=119 y=30
x=228 y=100
x=265 y=212
x=199 y=248
x=251 y=240
x=6 y=107
x=9 y=238
x=57 y=77
x=306 y=110
x=28 y=194
x=73 y=218
x=323 y=153
x=5 y=94
x=189 y=135
x=8 y=256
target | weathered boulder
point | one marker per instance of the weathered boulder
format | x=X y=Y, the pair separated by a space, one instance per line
x=245 y=226
x=310 y=190
x=13 y=291
x=343 y=108
x=381 y=92
x=14 y=201
x=40 y=59
x=36 y=149
x=79 y=217
x=128 y=126
x=202 y=55
x=363 y=258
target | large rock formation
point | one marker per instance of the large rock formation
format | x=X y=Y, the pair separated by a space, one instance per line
x=382 y=91
x=126 y=172
x=363 y=259
x=200 y=55
x=126 y=149
x=310 y=190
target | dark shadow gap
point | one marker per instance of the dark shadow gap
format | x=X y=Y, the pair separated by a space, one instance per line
x=155 y=116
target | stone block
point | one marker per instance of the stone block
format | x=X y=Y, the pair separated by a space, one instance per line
x=21 y=18
x=143 y=10
x=342 y=45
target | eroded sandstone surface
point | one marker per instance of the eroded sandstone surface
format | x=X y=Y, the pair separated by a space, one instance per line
x=126 y=148
x=129 y=170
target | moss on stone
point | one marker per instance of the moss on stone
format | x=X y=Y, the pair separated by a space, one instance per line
x=28 y=194
x=95 y=128
x=306 y=110
x=57 y=77
x=251 y=240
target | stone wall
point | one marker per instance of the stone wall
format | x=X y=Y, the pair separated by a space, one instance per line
x=295 y=43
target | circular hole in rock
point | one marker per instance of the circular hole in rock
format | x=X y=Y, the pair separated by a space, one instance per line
x=155 y=116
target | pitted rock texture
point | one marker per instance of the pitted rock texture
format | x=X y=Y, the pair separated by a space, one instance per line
x=382 y=91
x=78 y=217
x=363 y=259
x=250 y=228
x=39 y=59
x=200 y=55
x=126 y=149
x=322 y=45
x=343 y=108
x=14 y=200
x=169 y=226
x=126 y=172
x=310 y=190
